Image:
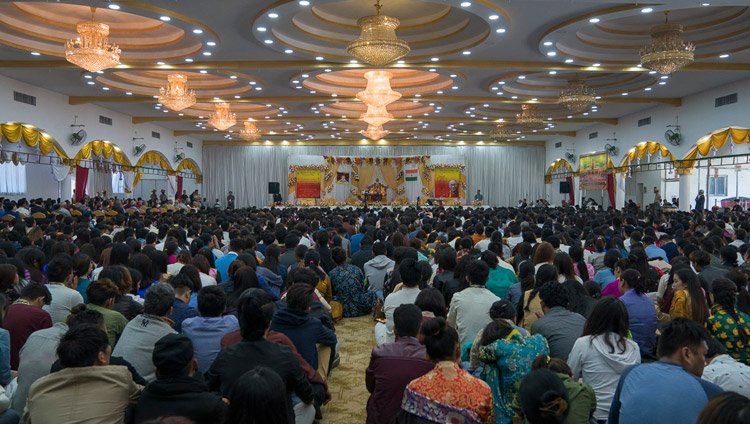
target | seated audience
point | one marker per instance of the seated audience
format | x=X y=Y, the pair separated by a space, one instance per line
x=26 y=316
x=62 y=288
x=688 y=300
x=641 y=310
x=469 y=308
x=728 y=325
x=349 y=286
x=181 y=310
x=559 y=326
x=377 y=269
x=205 y=331
x=394 y=365
x=410 y=276
x=175 y=392
x=101 y=295
x=724 y=371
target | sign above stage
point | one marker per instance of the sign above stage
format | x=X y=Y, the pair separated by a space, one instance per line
x=593 y=169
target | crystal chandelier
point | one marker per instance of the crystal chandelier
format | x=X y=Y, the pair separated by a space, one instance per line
x=667 y=52
x=529 y=118
x=374 y=133
x=378 y=91
x=250 y=133
x=222 y=119
x=577 y=97
x=377 y=44
x=500 y=133
x=91 y=49
x=376 y=116
x=176 y=96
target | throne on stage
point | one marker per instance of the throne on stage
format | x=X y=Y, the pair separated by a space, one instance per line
x=377 y=193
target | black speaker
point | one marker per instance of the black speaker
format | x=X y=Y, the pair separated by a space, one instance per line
x=273 y=188
x=564 y=187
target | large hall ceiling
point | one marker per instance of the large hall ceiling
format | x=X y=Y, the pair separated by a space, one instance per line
x=284 y=63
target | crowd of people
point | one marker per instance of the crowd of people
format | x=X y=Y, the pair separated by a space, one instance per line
x=159 y=314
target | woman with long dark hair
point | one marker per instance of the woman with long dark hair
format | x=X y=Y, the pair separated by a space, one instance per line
x=530 y=308
x=312 y=261
x=604 y=351
x=728 y=325
x=565 y=268
x=348 y=283
x=446 y=280
x=582 y=269
x=271 y=261
x=688 y=301
x=525 y=282
x=641 y=310
x=500 y=278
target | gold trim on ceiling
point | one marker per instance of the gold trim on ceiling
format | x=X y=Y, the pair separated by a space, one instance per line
x=589 y=15
x=158 y=25
x=400 y=28
x=228 y=84
x=686 y=28
x=638 y=47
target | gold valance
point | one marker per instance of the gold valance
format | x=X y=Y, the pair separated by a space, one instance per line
x=561 y=164
x=716 y=139
x=33 y=137
x=640 y=150
x=190 y=165
x=105 y=149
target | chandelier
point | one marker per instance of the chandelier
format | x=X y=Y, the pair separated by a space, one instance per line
x=376 y=116
x=374 y=133
x=176 y=96
x=222 y=119
x=577 y=97
x=667 y=52
x=250 y=133
x=500 y=133
x=377 y=44
x=91 y=49
x=529 y=118
x=378 y=91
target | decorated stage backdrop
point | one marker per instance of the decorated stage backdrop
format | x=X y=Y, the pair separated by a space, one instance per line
x=341 y=180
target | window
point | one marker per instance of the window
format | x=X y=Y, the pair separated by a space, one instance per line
x=118 y=183
x=717 y=186
x=12 y=178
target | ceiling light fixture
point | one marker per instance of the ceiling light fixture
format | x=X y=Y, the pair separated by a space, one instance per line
x=594 y=20
x=378 y=92
x=91 y=49
x=529 y=117
x=176 y=96
x=577 y=97
x=222 y=118
x=500 y=133
x=500 y=30
x=376 y=116
x=667 y=52
x=377 y=43
x=250 y=132
x=374 y=133
x=647 y=10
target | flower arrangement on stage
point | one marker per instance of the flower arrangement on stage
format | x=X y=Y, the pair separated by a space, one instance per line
x=375 y=160
x=292 y=182
x=426 y=191
x=400 y=191
x=477 y=202
x=294 y=168
x=426 y=176
x=328 y=177
x=460 y=166
x=400 y=176
x=354 y=192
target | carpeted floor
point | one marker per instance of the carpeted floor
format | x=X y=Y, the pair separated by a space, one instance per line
x=347 y=382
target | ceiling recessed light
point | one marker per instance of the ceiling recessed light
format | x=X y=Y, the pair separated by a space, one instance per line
x=647 y=10
x=105 y=88
x=90 y=83
x=455 y=87
x=160 y=63
x=494 y=17
x=165 y=18
x=663 y=83
x=547 y=43
x=401 y=62
x=494 y=88
x=261 y=29
x=501 y=82
x=647 y=89
x=551 y=54
x=273 y=15
x=522 y=77
x=624 y=94
x=258 y=88
x=465 y=4
x=665 y=77
x=353 y=61
x=206 y=53
x=304 y=3
x=705 y=4
x=211 y=43
x=594 y=20
x=514 y=97
x=596 y=64
x=433 y=70
x=724 y=56
x=87 y=76
x=114 y=6
x=319 y=58
x=553 y=72
x=203 y=71
x=435 y=59
x=500 y=30
x=327 y=70
x=306 y=76
x=288 y=51
x=266 y=41
x=188 y=60
x=197 y=31
x=252 y=83
x=466 y=52
x=36 y=54
x=128 y=93
x=568 y=60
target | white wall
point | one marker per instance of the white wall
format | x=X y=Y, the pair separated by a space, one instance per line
x=54 y=115
x=697 y=117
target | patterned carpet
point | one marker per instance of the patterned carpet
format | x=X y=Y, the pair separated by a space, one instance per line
x=347 y=382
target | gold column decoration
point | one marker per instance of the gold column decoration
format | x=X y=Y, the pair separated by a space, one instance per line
x=91 y=49
x=377 y=44
x=222 y=119
x=176 y=96
x=667 y=52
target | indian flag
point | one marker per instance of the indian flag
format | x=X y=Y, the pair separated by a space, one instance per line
x=411 y=175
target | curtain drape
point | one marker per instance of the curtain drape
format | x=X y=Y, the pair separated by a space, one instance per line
x=82 y=177
x=503 y=173
x=60 y=172
x=366 y=171
x=179 y=186
x=98 y=182
x=12 y=178
x=571 y=195
x=389 y=175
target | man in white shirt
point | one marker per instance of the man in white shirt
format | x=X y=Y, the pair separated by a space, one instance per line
x=410 y=275
x=724 y=371
x=470 y=308
x=62 y=286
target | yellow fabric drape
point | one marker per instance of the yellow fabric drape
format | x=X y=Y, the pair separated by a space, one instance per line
x=400 y=177
x=331 y=168
x=640 y=150
x=105 y=149
x=389 y=175
x=718 y=139
x=366 y=171
x=428 y=185
x=292 y=183
x=33 y=137
x=554 y=166
x=154 y=157
x=188 y=164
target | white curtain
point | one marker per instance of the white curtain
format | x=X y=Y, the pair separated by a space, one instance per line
x=12 y=178
x=98 y=182
x=60 y=172
x=505 y=174
x=128 y=178
x=171 y=186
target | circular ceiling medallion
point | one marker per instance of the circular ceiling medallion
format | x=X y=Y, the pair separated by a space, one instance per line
x=45 y=27
x=545 y=87
x=399 y=109
x=408 y=82
x=432 y=29
x=149 y=82
x=243 y=111
x=615 y=36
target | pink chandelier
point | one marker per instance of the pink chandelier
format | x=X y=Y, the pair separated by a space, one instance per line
x=250 y=132
x=378 y=91
x=374 y=133
x=376 y=116
x=222 y=119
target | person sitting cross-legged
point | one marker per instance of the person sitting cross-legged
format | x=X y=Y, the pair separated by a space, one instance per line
x=559 y=326
x=175 y=392
x=88 y=389
x=101 y=295
x=470 y=308
x=394 y=365
x=207 y=330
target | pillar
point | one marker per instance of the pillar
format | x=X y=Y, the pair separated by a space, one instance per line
x=686 y=189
